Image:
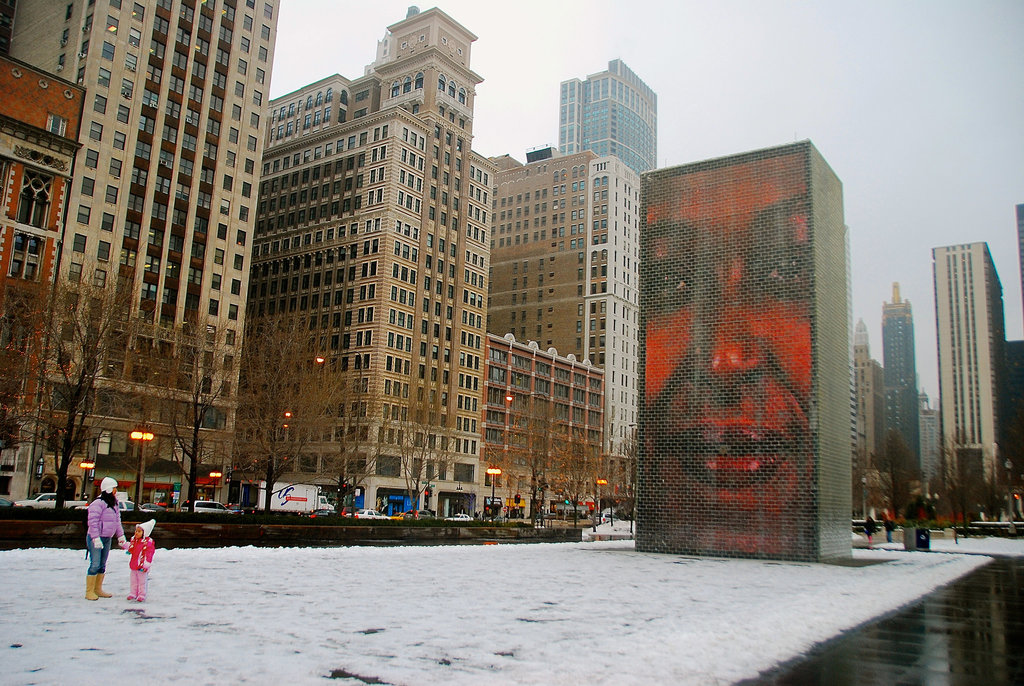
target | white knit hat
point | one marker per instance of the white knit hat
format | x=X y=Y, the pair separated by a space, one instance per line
x=147 y=527
x=108 y=484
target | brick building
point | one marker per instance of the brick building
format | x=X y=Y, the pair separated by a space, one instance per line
x=39 y=122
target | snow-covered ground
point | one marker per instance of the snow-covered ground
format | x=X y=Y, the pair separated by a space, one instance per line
x=568 y=613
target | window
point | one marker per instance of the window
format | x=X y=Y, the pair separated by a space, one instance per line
x=34 y=199
x=56 y=124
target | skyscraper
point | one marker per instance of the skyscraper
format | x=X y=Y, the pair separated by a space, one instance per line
x=1020 y=242
x=372 y=230
x=969 y=324
x=930 y=443
x=165 y=184
x=900 y=370
x=869 y=390
x=564 y=267
x=612 y=113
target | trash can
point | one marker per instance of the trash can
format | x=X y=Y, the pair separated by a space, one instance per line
x=917 y=539
x=924 y=539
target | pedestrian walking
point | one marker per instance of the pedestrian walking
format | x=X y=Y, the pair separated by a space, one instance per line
x=104 y=522
x=869 y=528
x=140 y=550
x=889 y=525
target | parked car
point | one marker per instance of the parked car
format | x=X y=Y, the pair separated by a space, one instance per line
x=324 y=512
x=152 y=507
x=4 y=502
x=370 y=514
x=122 y=505
x=418 y=514
x=46 y=501
x=461 y=517
x=210 y=506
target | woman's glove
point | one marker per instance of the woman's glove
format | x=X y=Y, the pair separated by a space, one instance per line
x=123 y=542
x=97 y=543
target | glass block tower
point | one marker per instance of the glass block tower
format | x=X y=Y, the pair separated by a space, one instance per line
x=744 y=345
x=611 y=113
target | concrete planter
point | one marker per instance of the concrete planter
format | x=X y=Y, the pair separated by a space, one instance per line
x=34 y=534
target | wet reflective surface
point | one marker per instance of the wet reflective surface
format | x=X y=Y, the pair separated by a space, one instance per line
x=970 y=632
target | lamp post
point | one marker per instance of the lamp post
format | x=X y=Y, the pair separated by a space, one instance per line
x=87 y=466
x=215 y=474
x=142 y=437
x=1009 y=493
x=494 y=473
x=864 y=497
x=597 y=494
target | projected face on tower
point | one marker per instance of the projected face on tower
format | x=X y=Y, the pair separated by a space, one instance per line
x=726 y=289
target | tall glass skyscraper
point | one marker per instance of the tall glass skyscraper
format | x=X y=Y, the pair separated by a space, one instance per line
x=900 y=370
x=612 y=113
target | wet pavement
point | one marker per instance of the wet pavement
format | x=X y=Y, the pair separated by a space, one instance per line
x=969 y=632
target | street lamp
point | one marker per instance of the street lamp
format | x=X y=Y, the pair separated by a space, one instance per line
x=142 y=437
x=1009 y=493
x=87 y=466
x=599 y=482
x=864 y=497
x=494 y=473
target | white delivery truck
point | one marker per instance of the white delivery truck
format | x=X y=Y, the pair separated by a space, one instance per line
x=297 y=498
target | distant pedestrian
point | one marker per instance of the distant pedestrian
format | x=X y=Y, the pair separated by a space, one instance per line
x=141 y=549
x=104 y=522
x=869 y=528
x=889 y=526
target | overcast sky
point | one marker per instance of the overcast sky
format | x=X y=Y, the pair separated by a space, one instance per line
x=917 y=106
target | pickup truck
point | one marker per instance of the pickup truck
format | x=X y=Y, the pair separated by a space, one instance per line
x=47 y=501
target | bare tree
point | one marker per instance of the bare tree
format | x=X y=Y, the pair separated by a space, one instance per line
x=897 y=469
x=88 y=323
x=197 y=396
x=357 y=448
x=23 y=316
x=961 y=473
x=424 y=443
x=575 y=462
x=531 y=426
x=287 y=398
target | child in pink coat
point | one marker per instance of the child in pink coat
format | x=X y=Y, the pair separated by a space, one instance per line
x=141 y=549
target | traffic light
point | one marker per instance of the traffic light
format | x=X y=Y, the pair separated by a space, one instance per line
x=426 y=491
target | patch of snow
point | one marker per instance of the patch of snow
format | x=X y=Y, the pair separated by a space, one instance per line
x=593 y=612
